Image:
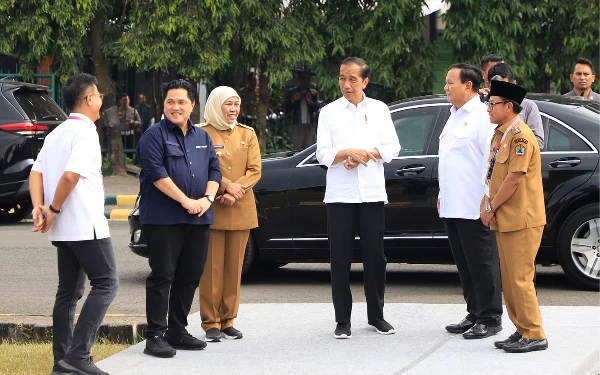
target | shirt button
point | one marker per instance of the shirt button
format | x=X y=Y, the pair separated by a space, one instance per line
x=229 y=153
x=190 y=162
x=226 y=141
x=193 y=175
x=228 y=167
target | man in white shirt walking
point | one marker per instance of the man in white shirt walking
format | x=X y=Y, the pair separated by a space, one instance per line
x=463 y=149
x=355 y=136
x=68 y=199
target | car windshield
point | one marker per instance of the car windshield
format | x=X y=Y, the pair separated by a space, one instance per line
x=39 y=106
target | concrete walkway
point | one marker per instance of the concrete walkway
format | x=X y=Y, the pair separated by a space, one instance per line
x=298 y=339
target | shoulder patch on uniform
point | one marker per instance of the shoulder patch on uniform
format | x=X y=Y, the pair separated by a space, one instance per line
x=521 y=140
x=520 y=149
x=516 y=129
x=246 y=126
x=202 y=124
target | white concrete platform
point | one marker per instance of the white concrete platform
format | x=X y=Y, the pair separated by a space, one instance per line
x=298 y=339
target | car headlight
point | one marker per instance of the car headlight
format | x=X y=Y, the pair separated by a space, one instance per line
x=136 y=235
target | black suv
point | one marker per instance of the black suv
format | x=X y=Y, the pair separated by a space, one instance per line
x=27 y=114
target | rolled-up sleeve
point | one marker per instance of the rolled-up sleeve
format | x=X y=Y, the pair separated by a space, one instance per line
x=151 y=153
x=37 y=164
x=214 y=171
x=325 y=151
x=390 y=145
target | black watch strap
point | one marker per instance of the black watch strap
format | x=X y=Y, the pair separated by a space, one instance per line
x=54 y=210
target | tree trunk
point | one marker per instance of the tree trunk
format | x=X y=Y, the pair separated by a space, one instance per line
x=109 y=104
x=263 y=108
x=157 y=98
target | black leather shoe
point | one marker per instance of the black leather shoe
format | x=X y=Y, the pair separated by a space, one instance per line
x=480 y=331
x=525 y=345
x=512 y=338
x=461 y=327
x=157 y=346
x=185 y=342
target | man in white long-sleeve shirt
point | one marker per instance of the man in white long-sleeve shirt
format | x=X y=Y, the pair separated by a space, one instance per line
x=463 y=150
x=355 y=137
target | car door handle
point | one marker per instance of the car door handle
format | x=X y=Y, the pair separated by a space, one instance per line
x=566 y=162
x=410 y=170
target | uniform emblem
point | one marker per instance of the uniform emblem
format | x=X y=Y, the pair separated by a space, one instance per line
x=516 y=129
x=520 y=149
x=521 y=140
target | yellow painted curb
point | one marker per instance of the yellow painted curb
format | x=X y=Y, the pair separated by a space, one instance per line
x=119 y=213
x=126 y=200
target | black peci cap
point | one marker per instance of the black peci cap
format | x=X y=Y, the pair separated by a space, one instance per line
x=507 y=90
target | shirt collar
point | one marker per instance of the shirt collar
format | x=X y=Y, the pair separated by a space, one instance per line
x=503 y=127
x=468 y=106
x=171 y=126
x=81 y=116
x=346 y=103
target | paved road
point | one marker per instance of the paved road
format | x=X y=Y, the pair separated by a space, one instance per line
x=28 y=279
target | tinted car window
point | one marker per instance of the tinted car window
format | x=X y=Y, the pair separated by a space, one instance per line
x=562 y=139
x=414 y=127
x=38 y=105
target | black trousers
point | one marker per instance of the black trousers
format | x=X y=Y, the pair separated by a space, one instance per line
x=343 y=221
x=479 y=269
x=76 y=259
x=177 y=254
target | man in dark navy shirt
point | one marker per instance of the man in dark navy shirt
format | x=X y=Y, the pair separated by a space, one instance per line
x=179 y=179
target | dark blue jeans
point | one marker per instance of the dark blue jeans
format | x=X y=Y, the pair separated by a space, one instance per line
x=76 y=259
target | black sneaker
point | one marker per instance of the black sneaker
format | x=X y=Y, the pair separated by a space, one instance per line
x=157 y=346
x=342 y=331
x=231 y=333
x=525 y=345
x=213 y=335
x=185 y=342
x=512 y=338
x=80 y=366
x=382 y=327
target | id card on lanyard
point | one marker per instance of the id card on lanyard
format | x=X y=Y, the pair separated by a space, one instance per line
x=495 y=150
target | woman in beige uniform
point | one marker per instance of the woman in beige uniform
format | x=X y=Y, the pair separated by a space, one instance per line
x=234 y=210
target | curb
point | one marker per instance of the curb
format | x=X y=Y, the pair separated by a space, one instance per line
x=118 y=213
x=120 y=200
x=129 y=333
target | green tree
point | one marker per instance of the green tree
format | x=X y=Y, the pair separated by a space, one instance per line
x=68 y=31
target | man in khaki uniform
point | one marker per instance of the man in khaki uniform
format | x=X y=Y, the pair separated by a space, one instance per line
x=237 y=148
x=514 y=207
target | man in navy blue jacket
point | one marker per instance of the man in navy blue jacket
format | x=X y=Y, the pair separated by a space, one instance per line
x=179 y=179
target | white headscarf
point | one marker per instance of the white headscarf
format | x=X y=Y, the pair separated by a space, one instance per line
x=213 y=114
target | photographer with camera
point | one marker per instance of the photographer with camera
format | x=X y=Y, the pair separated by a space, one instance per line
x=301 y=105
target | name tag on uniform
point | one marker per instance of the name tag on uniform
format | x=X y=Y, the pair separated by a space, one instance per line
x=218 y=146
x=201 y=146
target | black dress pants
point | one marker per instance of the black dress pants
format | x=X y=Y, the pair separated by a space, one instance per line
x=343 y=221
x=177 y=254
x=479 y=269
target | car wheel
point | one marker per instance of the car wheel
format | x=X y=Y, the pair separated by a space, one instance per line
x=15 y=212
x=249 y=256
x=579 y=247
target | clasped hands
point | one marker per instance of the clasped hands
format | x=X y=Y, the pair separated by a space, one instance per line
x=42 y=218
x=233 y=193
x=487 y=218
x=358 y=156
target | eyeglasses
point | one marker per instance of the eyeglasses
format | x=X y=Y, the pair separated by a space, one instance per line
x=492 y=104
x=100 y=95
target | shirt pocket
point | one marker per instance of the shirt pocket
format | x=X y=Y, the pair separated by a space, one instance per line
x=463 y=132
x=501 y=165
x=173 y=149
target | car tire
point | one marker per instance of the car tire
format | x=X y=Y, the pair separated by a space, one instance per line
x=576 y=228
x=16 y=212
x=249 y=256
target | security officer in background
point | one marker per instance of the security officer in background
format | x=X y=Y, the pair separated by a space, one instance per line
x=514 y=207
x=238 y=151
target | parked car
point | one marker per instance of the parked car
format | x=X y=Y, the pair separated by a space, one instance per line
x=293 y=217
x=27 y=114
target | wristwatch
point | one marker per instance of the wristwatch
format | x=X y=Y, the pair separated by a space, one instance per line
x=54 y=209
x=211 y=199
x=489 y=208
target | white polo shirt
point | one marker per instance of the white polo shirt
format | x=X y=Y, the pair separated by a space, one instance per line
x=343 y=125
x=463 y=151
x=74 y=146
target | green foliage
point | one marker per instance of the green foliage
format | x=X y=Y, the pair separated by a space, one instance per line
x=540 y=39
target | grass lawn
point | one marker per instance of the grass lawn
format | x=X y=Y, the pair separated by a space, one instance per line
x=33 y=359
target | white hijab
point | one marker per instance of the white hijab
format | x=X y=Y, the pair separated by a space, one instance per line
x=213 y=114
